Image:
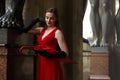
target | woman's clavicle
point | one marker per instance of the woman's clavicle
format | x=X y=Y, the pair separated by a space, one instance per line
x=47 y=32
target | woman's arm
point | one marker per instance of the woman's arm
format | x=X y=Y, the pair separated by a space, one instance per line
x=35 y=31
x=61 y=41
x=28 y=27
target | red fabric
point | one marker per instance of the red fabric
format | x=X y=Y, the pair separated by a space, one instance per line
x=48 y=69
x=25 y=47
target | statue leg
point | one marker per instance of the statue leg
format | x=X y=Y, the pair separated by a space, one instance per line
x=95 y=22
x=13 y=16
x=117 y=24
x=107 y=24
x=2 y=7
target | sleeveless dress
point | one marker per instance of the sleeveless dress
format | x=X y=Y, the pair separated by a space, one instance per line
x=48 y=69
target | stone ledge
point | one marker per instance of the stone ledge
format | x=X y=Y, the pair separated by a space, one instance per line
x=99 y=49
x=99 y=77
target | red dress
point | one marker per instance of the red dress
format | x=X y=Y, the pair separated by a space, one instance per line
x=48 y=69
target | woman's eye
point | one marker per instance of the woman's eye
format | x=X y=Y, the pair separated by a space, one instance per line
x=50 y=18
x=46 y=17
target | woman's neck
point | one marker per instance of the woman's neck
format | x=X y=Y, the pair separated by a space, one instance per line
x=50 y=27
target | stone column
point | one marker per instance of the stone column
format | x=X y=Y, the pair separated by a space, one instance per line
x=77 y=39
x=115 y=63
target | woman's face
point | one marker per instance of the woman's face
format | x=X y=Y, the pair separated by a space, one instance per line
x=50 y=19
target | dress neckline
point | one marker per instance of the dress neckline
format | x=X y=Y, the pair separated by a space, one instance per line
x=43 y=37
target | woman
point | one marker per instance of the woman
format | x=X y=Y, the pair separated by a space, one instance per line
x=50 y=47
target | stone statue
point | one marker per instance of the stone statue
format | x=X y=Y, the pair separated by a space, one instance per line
x=117 y=23
x=2 y=7
x=107 y=24
x=95 y=22
x=102 y=28
x=12 y=17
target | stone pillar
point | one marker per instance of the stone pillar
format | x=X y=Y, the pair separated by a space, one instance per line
x=77 y=39
x=65 y=21
x=115 y=63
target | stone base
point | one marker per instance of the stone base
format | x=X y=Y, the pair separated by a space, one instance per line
x=13 y=66
x=99 y=64
x=99 y=77
x=3 y=63
x=86 y=61
x=86 y=65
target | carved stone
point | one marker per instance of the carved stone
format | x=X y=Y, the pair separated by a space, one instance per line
x=103 y=26
x=13 y=14
x=99 y=64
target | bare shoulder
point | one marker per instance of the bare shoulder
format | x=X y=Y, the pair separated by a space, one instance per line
x=58 y=33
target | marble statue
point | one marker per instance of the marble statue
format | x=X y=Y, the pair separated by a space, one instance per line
x=117 y=24
x=12 y=16
x=101 y=26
